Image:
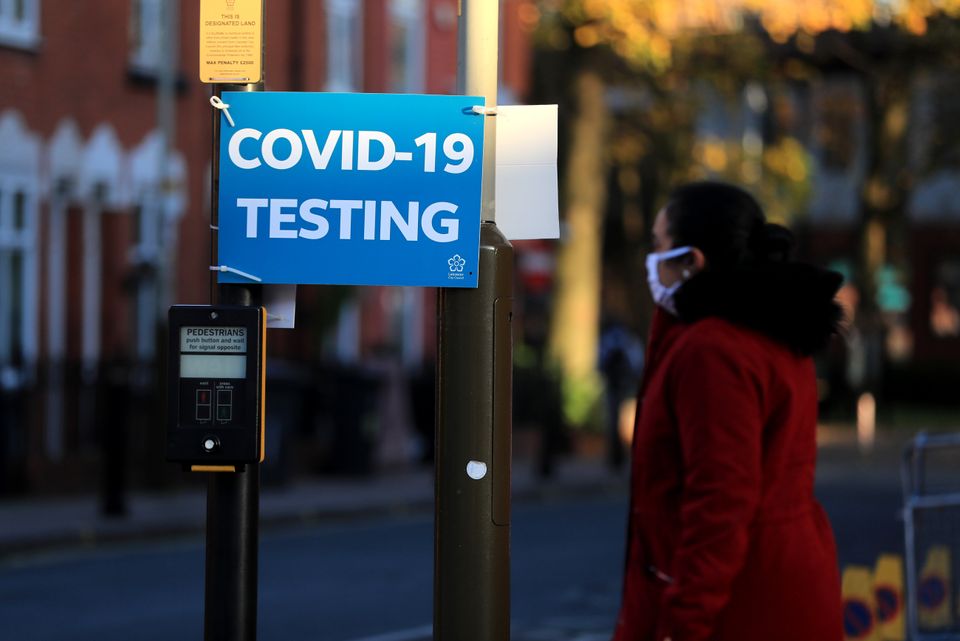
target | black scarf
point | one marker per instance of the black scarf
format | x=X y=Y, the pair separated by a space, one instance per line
x=793 y=303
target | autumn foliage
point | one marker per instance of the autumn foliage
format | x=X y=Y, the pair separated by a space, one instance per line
x=643 y=31
x=637 y=74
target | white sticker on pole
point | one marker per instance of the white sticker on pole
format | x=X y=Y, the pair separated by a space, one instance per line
x=476 y=470
x=527 y=197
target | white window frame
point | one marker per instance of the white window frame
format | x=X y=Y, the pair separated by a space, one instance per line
x=20 y=32
x=24 y=242
x=146 y=33
x=146 y=254
x=344 y=45
x=409 y=16
x=346 y=338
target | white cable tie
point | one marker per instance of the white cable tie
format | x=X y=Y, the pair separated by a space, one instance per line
x=222 y=106
x=484 y=111
x=225 y=268
x=215 y=227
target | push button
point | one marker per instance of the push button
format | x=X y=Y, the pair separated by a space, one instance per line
x=211 y=444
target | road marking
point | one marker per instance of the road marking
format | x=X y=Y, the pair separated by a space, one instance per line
x=422 y=633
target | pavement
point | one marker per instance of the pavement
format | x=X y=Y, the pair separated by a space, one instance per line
x=30 y=524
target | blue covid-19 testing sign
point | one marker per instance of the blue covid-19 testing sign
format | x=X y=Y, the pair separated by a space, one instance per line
x=350 y=189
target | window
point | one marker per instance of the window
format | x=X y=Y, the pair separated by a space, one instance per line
x=17 y=240
x=143 y=275
x=406 y=46
x=935 y=127
x=839 y=111
x=20 y=22
x=839 y=144
x=19 y=186
x=344 y=45
x=146 y=32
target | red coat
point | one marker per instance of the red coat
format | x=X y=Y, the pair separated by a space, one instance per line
x=726 y=542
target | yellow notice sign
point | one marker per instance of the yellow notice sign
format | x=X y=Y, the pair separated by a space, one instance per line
x=231 y=39
x=859 y=607
x=933 y=590
x=888 y=594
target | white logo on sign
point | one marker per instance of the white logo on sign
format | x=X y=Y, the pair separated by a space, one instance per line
x=456 y=263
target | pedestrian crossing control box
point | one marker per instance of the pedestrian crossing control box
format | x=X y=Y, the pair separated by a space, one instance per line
x=216 y=386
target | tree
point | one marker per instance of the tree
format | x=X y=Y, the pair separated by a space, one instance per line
x=660 y=47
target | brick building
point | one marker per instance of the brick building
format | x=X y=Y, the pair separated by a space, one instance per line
x=104 y=192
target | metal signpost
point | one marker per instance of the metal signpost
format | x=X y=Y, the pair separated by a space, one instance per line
x=475 y=360
x=233 y=499
x=231 y=31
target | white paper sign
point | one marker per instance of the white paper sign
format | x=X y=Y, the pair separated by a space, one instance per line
x=281 y=304
x=527 y=202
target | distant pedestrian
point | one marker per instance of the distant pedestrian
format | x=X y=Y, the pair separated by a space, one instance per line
x=725 y=540
x=620 y=359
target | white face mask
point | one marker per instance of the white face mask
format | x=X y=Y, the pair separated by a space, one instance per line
x=663 y=295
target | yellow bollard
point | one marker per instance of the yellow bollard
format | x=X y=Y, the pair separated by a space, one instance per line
x=888 y=594
x=933 y=590
x=859 y=605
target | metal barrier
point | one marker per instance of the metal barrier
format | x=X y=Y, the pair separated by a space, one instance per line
x=931 y=491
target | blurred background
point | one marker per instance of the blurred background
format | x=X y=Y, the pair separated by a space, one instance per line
x=841 y=116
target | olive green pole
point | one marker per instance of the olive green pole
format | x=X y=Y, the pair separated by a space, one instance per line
x=474 y=394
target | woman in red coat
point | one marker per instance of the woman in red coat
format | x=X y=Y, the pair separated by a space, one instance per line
x=726 y=541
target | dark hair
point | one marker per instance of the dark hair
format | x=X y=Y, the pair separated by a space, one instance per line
x=750 y=277
x=726 y=224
